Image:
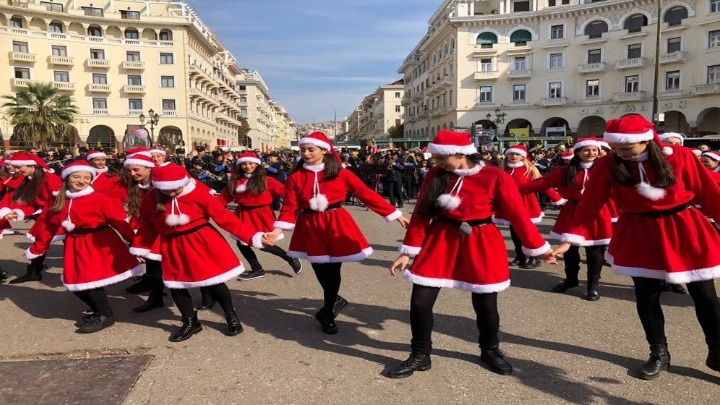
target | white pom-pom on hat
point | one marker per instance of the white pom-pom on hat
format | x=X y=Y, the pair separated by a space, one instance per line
x=319 y=203
x=667 y=151
x=448 y=201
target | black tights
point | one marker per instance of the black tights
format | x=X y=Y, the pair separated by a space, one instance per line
x=595 y=262
x=707 y=309
x=96 y=299
x=252 y=259
x=153 y=271
x=218 y=292
x=328 y=275
x=421 y=318
x=519 y=255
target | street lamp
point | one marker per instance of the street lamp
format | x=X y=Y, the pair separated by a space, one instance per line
x=154 y=119
x=499 y=117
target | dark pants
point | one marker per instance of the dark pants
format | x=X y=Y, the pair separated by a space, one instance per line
x=153 y=270
x=707 y=309
x=96 y=299
x=421 y=318
x=409 y=186
x=595 y=262
x=218 y=292
x=328 y=275
x=517 y=243
x=252 y=259
x=395 y=188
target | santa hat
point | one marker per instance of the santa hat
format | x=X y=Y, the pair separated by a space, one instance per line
x=27 y=159
x=697 y=152
x=78 y=166
x=158 y=151
x=248 y=157
x=139 y=159
x=520 y=149
x=581 y=143
x=95 y=154
x=141 y=150
x=450 y=143
x=712 y=155
x=567 y=155
x=321 y=141
x=667 y=135
x=172 y=177
x=603 y=144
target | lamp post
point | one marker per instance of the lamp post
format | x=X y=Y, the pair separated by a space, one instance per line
x=655 y=118
x=153 y=121
x=334 y=123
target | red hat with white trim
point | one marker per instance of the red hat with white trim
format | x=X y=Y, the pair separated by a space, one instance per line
x=567 y=155
x=697 y=152
x=27 y=159
x=520 y=149
x=633 y=128
x=321 y=141
x=139 y=159
x=248 y=157
x=448 y=142
x=668 y=135
x=95 y=154
x=712 y=155
x=169 y=177
x=592 y=141
x=139 y=150
x=78 y=166
x=157 y=150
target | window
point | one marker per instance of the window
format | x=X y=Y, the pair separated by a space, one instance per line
x=242 y=87
x=594 y=56
x=166 y=59
x=16 y=22
x=486 y=94
x=595 y=29
x=634 y=51
x=521 y=37
x=632 y=84
x=168 y=104
x=135 y=104
x=713 y=74
x=674 y=45
x=555 y=89
x=166 y=35
x=99 y=103
x=557 y=32
x=167 y=81
x=56 y=27
x=714 y=39
x=486 y=40
x=714 y=6
x=635 y=22
x=519 y=63
x=20 y=47
x=22 y=73
x=94 y=31
x=97 y=54
x=675 y=15
x=99 y=78
x=397 y=94
x=58 y=50
x=93 y=11
x=672 y=80
x=519 y=92
x=486 y=65
x=592 y=88
x=129 y=15
x=397 y=108
x=132 y=33
x=521 y=6
x=556 y=61
x=52 y=6
x=61 y=76
x=553 y=3
x=132 y=56
x=134 y=80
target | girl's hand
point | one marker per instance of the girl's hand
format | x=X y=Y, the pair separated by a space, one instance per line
x=403 y=221
x=549 y=258
x=11 y=216
x=401 y=262
x=140 y=259
x=268 y=239
x=562 y=248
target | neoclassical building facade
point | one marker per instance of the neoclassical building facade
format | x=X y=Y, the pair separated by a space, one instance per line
x=546 y=67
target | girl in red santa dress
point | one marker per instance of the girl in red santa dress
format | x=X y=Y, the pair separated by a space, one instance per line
x=522 y=171
x=324 y=232
x=253 y=191
x=30 y=199
x=194 y=253
x=659 y=236
x=94 y=255
x=10 y=180
x=570 y=182
x=457 y=245
x=107 y=181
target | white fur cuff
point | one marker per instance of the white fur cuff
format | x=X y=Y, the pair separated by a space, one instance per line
x=409 y=250
x=139 y=251
x=284 y=225
x=257 y=240
x=20 y=214
x=561 y=201
x=572 y=239
x=30 y=255
x=4 y=212
x=537 y=252
x=395 y=215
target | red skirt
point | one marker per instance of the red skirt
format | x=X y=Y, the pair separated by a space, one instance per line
x=328 y=237
x=599 y=228
x=679 y=248
x=476 y=263
x=532 y=207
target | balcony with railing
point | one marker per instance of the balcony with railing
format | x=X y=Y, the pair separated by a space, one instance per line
x=133 y=65
x=169 y=113
x=61 y=60
x=99 y=88
x=18 y=3
x=633 y=96
x=22 y=56
x=20 y=82
x=100 y=111
x=486 y=75
x=710 y=88
x=553 y=101
x=632 y=63
x=135 y=113
x=674 y=57
x=98 y=63
x=591 y=68
x=519 y=73
x=134 y=89
x=64 y=86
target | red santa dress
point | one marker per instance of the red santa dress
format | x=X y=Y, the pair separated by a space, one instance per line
x=324 y=232
x=46 y=195
x=8 y=187
x=476 y=262
x=113 y=187
x=521 y=175
x=254 y=210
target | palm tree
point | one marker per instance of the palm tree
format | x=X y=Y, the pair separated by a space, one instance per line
x=41 y=114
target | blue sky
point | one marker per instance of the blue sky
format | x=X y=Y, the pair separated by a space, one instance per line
x=319 y=55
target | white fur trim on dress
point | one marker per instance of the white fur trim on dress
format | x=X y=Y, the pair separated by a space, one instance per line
x=5 y=211
x=30 y=255
x=615 y=137
x=154 y=256
x=516 y=150
x=171 y=185
x=8 y=231
x=313 y=141
x=614 y=220
x=437 y=149
x=30 y=237
x=105 y=282
x=539 y=219
x=561 y=201
x=236 y=239
x=391 y=217
x=678 y=277
x=135 y=251
x=220 y=278
x=578 y=240
x=409 y=250
x=538 y=251
x=446 y=283
x=332 y=259
x=20 y=214
x=284 y=225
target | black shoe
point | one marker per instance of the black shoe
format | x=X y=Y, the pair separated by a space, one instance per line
x=659 y=360
x=593 y=290
x=296 y=266
x=86 y=317
x=3 y=275
x=494 y=359
x=327 y=322
x=189 y=327
x=678 y=289
x=713 y=360
x=145 y=284
x=340 y=303
x=565 y=285
x=96 y=323
x=525 y=265
x=155 y=300
x=252 y=275
x=535 y=262
x=416 y=362
x=33 y=273
x=233 y=323
x=514 y=262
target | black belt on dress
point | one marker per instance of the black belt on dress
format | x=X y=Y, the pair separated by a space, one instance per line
x=254 y=207
x=85 y=231
x=329 y=208
x=664 y=213
x=573 y=201
x=189 y=231
x=472 y=222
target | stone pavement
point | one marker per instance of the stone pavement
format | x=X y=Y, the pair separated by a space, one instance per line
x=564 y=349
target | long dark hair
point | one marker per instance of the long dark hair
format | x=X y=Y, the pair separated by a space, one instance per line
x=664 y=174
x=60 y=199
x=332 y=166
x=160 y=201
x=256 y=184
x=134 y=195
x=30 y=187
x=437 y=185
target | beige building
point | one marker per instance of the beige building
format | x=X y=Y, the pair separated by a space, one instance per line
x=120 y=59
x=377 y=113
x=552 y=66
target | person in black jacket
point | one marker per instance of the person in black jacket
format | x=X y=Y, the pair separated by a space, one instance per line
x=394 y=180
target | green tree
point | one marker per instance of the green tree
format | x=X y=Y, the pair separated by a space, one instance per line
x=243 y=132
x=41 y=114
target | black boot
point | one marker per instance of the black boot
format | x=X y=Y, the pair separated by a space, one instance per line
x=536 y=262
x=233 y=323
x=416 y=362
x=34 y=273
x=659 y=360
x=514 y=262
x=340 y=303
x=3 y=275
x=190 y=326
x=84 y=319
x=155 y=300
x=565 y=285
x=593 y=289
x=296 y=265
x=494 y=359
x=327 y=321
x=713 y=360
x=96 y=323
x=145 y=284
